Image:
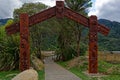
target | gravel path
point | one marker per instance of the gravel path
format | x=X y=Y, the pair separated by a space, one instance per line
x=55 y=72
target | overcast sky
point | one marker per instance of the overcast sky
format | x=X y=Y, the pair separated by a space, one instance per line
x=107 y=9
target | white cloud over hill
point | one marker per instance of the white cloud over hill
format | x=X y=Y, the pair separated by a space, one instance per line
x=107 y=9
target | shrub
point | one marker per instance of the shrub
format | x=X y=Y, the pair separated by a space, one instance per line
x=9 y=50
x=83 y=49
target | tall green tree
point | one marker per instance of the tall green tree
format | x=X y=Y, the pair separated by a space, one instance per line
x=65 y=50
x=41 y=31
x=79 y=6
x=71 y=32
x=31 y=9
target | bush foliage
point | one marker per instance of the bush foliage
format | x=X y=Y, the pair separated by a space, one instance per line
x=9 y=49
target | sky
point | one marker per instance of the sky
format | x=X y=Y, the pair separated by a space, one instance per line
x=105 y=9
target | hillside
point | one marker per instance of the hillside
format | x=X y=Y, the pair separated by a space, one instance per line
x=112 y=41
x=114 y=26
x=3 y=21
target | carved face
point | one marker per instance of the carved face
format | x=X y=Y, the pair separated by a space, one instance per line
x=60 y=9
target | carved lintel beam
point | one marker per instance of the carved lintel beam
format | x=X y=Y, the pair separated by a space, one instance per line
x=42 y=16
x=84 y=20
x=13 y=28
x=34 y=19
x=59 y=11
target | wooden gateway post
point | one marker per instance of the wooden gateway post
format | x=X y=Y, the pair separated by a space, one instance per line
x=24 y=42
x=59 y=11
x=93 y=48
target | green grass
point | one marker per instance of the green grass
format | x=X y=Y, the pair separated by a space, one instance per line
x=103 y=68
x=111 y=77
x=77 y=71
x=8 y=75
x=41 y=75
x=109 y=68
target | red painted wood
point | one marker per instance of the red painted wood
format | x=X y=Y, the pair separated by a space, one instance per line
x=13 y=28
x=42 y=16
x=24 y=42
x=34 y=19
x=59 y=11
x=93 y=48
x=84 y=20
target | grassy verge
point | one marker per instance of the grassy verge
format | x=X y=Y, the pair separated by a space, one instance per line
x=8 y=75
x=111 y=71
x=41 y=75
x=77 y=71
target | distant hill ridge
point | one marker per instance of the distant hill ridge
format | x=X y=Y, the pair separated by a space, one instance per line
x=114 y=27
x=112 y=41
x=3 y=21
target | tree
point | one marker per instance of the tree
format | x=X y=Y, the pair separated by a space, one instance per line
x=35 y=32
x=65 y=50
x=80 y=6
x=39 y=32
x=71 y=32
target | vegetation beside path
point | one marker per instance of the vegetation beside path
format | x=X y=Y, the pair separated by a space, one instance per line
x=79 y=66
x=8 y=75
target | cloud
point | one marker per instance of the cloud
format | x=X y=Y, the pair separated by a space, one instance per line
x=47 y=2
x=7 y=6
x=107 y=9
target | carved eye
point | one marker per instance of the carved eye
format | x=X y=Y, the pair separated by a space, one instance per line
x=60 y=10
x=22 y=46
x=93 y=22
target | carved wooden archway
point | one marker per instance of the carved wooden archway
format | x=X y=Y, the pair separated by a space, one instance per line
x=59 y=11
